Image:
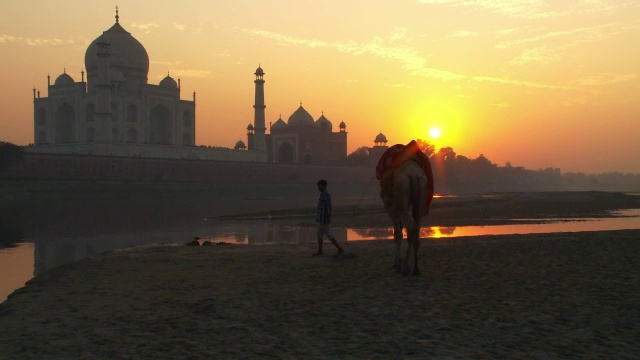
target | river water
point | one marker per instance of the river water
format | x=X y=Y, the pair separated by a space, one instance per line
x=30 y=257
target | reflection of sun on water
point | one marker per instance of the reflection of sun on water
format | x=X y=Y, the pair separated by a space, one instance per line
x=437 y=232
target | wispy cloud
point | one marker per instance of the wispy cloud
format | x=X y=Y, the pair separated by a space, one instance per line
x=408 y=57
x=521 y=83
x=163 y=63
x=606 y=79
x=192 y=73
x=179 y=26
x=146 y=28
x=575 y=35
x=7 y=39
x=4 y=39
x=558 y=43
x=538 y=55
x=537 y=9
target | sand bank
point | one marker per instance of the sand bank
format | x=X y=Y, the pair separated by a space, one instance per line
x=542 y=296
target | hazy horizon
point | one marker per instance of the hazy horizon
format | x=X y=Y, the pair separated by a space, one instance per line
x=533 y=83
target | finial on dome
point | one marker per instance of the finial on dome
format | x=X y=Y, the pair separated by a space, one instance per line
x=117 y=16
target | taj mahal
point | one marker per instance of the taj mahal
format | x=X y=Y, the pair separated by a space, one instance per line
x=114 y=111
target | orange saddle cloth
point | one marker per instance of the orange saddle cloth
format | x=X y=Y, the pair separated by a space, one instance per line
x=396 y=155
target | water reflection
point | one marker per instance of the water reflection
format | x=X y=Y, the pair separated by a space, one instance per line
x=38 y=254
x=54 y=251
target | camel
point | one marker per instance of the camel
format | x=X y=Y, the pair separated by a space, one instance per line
x=406 y=189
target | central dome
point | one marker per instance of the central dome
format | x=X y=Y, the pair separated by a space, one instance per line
x=64 y=79
x=168 y=82
x=127 y=55
x=301 y=118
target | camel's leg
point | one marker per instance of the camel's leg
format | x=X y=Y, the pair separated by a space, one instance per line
x=409 y=225
x=416 y=246
x=419 y=203
x=401 y=209
x=397 y=238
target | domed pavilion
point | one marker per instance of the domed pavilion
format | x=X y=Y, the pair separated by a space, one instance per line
x=114 y=104
x=303 y=140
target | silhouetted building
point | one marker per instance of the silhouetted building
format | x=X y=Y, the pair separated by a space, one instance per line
x=115 y=104
x=379 y=147
x=300 y=140
x=115 y=112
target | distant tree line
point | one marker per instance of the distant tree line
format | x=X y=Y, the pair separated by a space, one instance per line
x=455 y=173
x=459 y=174
x=9 y=153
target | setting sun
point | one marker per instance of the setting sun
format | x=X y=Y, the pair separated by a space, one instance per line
x=434 y=133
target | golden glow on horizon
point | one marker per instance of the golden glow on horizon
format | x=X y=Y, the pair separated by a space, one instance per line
x=496 y=79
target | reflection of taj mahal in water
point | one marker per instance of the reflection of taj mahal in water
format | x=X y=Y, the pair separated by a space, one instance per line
x=114 y=111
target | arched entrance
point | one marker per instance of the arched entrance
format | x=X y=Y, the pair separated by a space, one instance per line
x=161 y=126
x=65 y=125
x=285 y=153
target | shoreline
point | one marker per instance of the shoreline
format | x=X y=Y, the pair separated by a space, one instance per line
x=548 y=295
x=534 y=296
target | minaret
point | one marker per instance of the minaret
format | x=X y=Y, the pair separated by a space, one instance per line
x=259 y=142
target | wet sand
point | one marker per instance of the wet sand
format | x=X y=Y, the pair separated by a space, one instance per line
x=560 y=295
x=538 y=296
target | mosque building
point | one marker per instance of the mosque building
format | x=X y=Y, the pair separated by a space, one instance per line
x=303 y=140
x=116 y=112
x=300 y=140
x=115 y=104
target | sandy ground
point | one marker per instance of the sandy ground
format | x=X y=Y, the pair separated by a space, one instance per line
x=542 y=296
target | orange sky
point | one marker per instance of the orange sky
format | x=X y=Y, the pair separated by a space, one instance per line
x=535 y=84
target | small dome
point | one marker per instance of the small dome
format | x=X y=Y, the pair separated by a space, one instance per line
x=240 y=145
x=323 y=123
x=168 y=82
x=301 y=118
x=64 y=79
x=280 y=124
x=343 y=125
x=250 y=127
x=259 y=71
x=380 y=138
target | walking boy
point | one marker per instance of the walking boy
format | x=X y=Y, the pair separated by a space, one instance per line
x=323 y=218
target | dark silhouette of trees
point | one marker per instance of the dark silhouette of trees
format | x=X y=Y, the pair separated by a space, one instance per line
x=360 y=157
x=9 y=153
x=455 y=173
x=427 y=148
